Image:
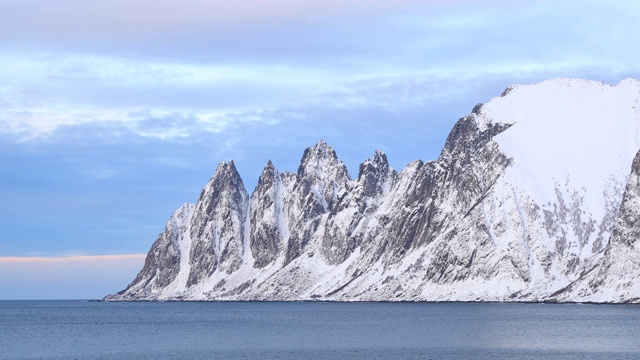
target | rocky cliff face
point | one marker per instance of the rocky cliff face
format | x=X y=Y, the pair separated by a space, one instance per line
x=616 y=277
x=520 y=206
x=219 y=229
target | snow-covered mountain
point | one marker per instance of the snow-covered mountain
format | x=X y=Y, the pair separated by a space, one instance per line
x=523 y=204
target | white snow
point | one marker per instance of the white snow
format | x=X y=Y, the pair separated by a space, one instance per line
x=180 y=224
x=567 y=129
x=279 y=209
x=185 y=251
x=246 y=241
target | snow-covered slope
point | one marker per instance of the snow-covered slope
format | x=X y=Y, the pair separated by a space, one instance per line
x=520 y=204
x=616 y=277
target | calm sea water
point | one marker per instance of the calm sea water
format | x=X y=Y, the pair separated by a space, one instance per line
x=92 y=330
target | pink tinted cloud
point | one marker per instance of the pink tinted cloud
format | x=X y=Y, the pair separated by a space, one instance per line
x=69 y=277
x=70 y=259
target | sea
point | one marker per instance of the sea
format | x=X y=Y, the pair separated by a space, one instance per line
x=316 y=330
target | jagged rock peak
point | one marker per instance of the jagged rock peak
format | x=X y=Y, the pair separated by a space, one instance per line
x=267 y=178
x=373 y=174
x=380 y=159
x=476 y=109
x=225 y=178
x=226 y=175
x=218 y=226
x=316 y=156
x=267 y=217
x=378 y=163
x=322 y=148
x=321 y=170
x=269 y=169
x=226 y=168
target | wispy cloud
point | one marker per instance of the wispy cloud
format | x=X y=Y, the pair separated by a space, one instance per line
x=202 y=66
x=161 y=100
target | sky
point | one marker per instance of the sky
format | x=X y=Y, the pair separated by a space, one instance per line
x=113 y=113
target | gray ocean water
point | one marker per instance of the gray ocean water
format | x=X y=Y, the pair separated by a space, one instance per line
x=94 y=330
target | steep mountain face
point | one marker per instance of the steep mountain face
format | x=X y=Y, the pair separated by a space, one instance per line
x=616 y=277
x=163 y=264
x=219 y=230
x=267 y=213
x=520 y=205
x=322 y=180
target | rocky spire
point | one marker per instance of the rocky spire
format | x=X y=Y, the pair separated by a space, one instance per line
x=218 y=224
x=267 y=217
x=373 y=174
x=320 y=181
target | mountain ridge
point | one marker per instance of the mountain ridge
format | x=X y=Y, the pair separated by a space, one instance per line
x=518 y=206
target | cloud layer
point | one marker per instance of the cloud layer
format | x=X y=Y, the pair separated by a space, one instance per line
x=71 y=62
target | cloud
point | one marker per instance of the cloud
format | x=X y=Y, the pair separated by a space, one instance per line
x=49 y=79
x=101 y=17
x=72 y=277
x=178 y=122
x=41 y=94
x=341 y=34
x=173 y=69
x=70 y=259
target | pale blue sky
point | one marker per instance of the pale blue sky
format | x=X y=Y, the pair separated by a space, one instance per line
x=114 y=113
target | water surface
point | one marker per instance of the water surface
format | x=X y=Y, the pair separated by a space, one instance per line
x=237 y=330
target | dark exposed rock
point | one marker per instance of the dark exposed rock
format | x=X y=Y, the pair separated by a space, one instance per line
x=218 y=225
x=162 y=263
x=619 y=269
x=267 y=217
x=322 y=179
x=341 y=236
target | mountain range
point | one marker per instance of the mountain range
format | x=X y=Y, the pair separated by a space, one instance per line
x=534 y=197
